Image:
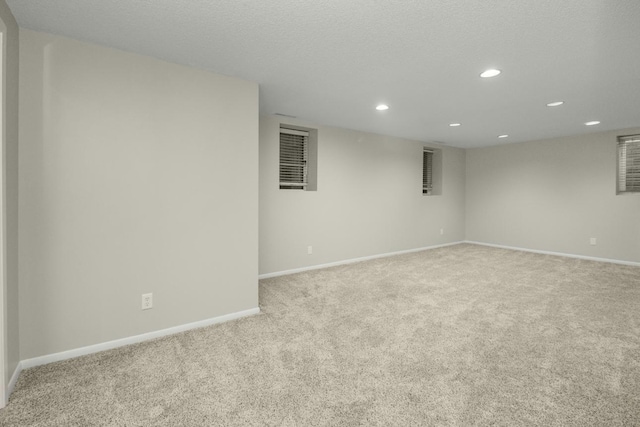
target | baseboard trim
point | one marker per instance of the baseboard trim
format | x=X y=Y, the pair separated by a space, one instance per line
x=588 y=258
x=70 y=354
x=14 y=379
x=352 y=260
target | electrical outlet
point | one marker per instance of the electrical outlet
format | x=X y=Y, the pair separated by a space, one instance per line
x=441 y=231
x=592 y=241
x=147 y=301
x=309 y=250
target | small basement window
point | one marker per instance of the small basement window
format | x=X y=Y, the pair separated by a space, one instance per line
x=298 y=152
x=427 y=171
x=294 y=154
x=431 y=171
x=629 y=164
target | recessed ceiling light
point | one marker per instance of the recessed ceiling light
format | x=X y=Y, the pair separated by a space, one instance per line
x=492 y=72
x=382 y=107
x=595 y=122
x=555 y=104
x=503 y=136
x=454 y=124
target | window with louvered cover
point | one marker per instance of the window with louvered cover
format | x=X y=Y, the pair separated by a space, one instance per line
x=427 y=171
x=629 y=164
x=294 y=154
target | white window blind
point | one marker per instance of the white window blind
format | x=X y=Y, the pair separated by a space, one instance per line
x=294 y=153
x=629 y=164
x=427 y=171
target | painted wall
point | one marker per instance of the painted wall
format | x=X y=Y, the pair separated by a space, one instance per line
x=553 y=195
x=369 y=199
x=136 y=176
x=10 y=187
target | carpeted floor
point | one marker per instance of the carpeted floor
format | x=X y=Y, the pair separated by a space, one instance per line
x=464 y=335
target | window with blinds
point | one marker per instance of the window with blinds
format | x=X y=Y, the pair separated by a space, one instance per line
x=294 y=155
x=629 y=164
x=427 y=171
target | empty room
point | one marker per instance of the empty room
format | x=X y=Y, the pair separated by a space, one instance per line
x=285 y=213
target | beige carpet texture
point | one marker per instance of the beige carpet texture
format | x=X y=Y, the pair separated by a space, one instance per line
x=459 y=336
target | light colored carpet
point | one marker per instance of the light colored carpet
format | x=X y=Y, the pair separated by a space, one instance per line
x=461 y=336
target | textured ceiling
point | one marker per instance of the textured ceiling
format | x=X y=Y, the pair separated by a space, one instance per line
x=332 y=61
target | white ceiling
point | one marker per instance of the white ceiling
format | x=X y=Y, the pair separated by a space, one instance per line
x=332 y=61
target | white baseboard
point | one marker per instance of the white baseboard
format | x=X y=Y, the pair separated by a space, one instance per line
x=351 y=261
x=56 y=357
x=14 y=379
x=589 y=258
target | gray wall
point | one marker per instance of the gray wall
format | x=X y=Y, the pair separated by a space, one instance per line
x=136 y=176
x=553 y=195
x=10 y=167
x=130 y=183
x=369 y=199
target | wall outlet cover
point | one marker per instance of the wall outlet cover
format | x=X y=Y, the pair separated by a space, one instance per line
x=147 y=301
